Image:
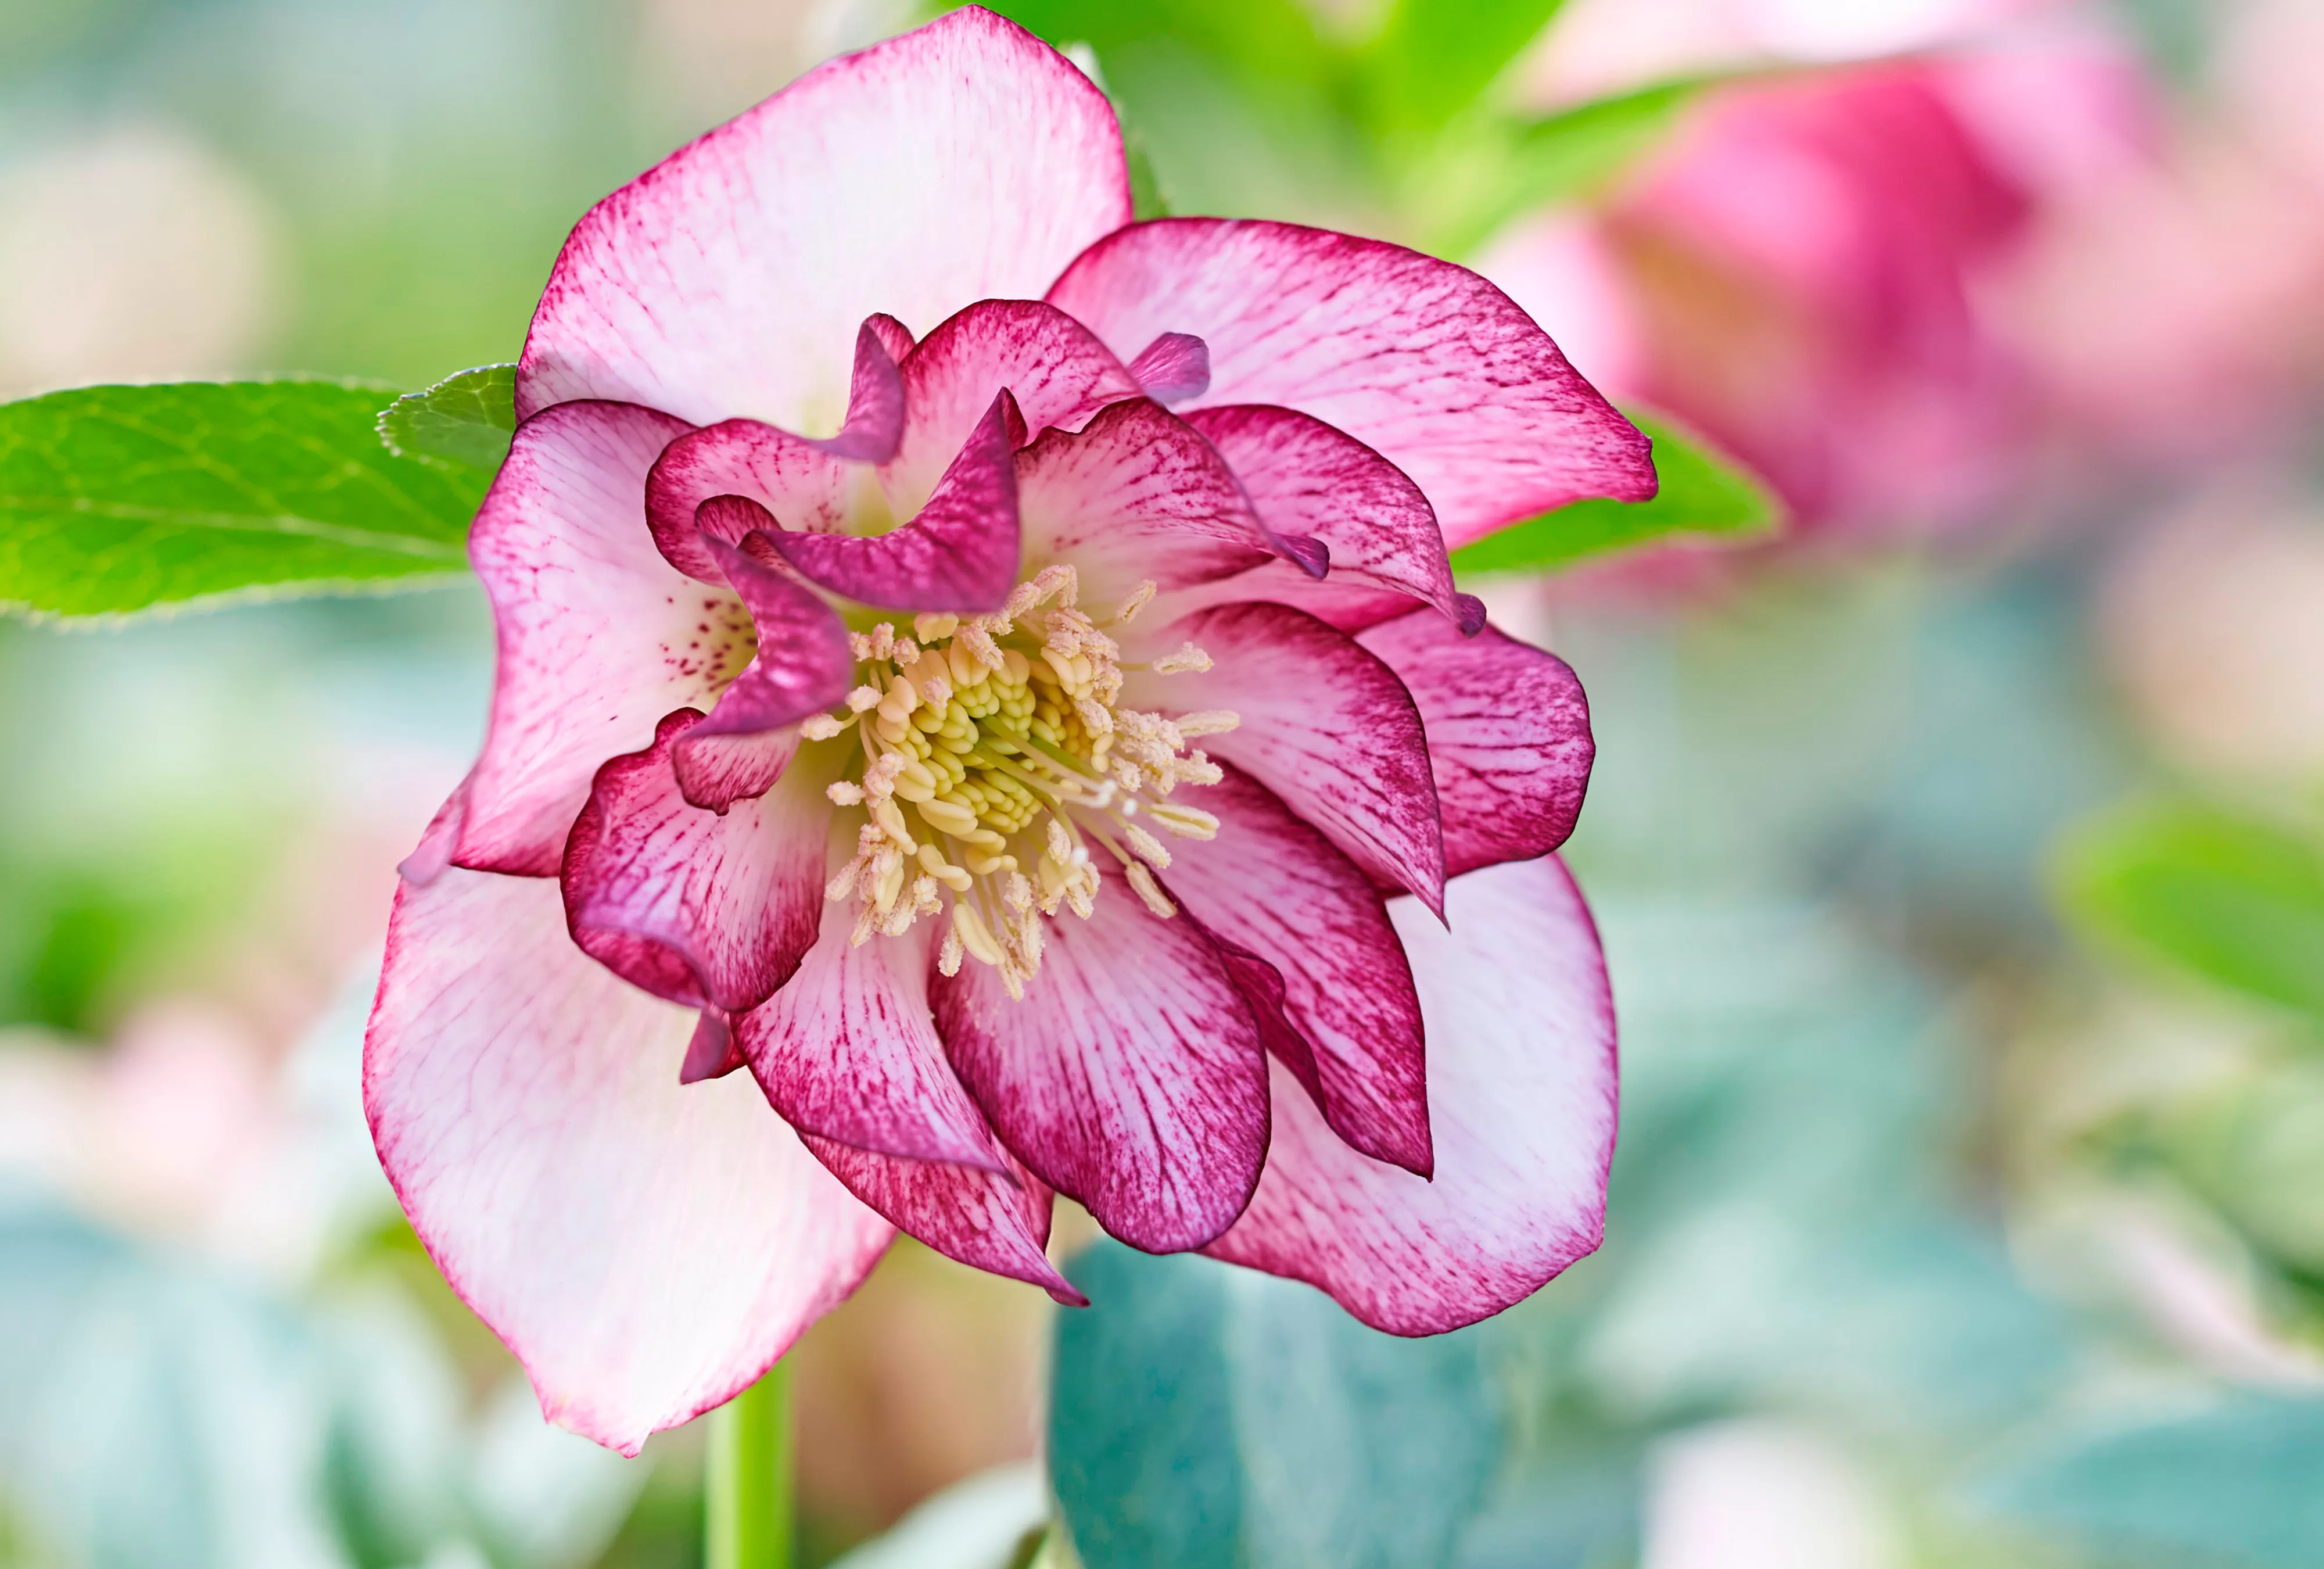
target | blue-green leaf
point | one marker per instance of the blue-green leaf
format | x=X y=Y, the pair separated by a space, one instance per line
x=1704 y=495
x=121 y=499
x=1206 y=1417
x=2240 y=1484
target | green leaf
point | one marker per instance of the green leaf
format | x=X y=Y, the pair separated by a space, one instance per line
x=2196 y=889
x=1203 y=1415
x=121 y=499
x=1434 y=58
x=2243 y=1482
x=1485 y=173
x=1262 y=41
x=462 y=422
x=1703 y=494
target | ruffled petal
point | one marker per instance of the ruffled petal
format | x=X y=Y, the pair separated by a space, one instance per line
x=963 y=161
x=987 y=1220
x=1136 y=495
x=803 y=663
x=1424 y=362
x=695 y=906
x=1508 y=737
x=1306 y=478
x=647 y=1250
x=874 y=427
x=959 y=554
x=1521 y=1090
x=1055 y=367
x=1280 y=892
x=599 y=636
x=795 y=484
x=1131 y=1076
x=1325 y=726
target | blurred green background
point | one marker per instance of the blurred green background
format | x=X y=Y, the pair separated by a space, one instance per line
x=1959 y=854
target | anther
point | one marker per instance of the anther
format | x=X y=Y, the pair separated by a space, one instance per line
x=1149 y=890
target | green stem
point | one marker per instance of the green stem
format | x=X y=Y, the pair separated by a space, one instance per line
x=748 y=1486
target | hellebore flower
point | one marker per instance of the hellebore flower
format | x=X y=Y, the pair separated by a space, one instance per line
x=1049 y=781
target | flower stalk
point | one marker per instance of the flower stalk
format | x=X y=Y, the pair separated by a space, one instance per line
x=747 y=1486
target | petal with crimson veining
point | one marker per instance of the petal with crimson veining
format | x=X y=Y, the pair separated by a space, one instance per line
x=1173 y=368
x=599 y=637
x=1326 y=727
x=693 y=905
x=1279 y=890
x=1521 y=1092
x=1129 y=1078
x=804 y=664
x=794 y=485
x=960 y=553
x=646 y=1249
x=848 y=1051
x=987 y=1220
x=963 y=161
x=1055 y=367
x=1305 y=478
x=1424 y=362
x=1508 y=737
x=1137 y=495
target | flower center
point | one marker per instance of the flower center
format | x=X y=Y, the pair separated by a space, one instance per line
x=993 y=751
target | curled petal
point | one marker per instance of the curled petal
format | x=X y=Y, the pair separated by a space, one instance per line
x=1279 y=891
x=1508 y=737
x=1326 y=727
x=792 y=482
x=874 y=428
x=695 y=906
x=647 y=1250
x=1424 y=362
x=1521 y=1090
x=1136 y=495
x=963 y=161
x=599 y=636
x=1131 y=1076
x=959 y=554
x=1173 y=368
x=1056 y=370
x=803 y=664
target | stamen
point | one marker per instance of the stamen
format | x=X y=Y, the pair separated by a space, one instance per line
x=1148 y=890
x=989 y=745
x=1187 y=658
x=1149 y=848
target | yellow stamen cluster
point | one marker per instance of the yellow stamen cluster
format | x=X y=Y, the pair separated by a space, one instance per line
x=993 y=750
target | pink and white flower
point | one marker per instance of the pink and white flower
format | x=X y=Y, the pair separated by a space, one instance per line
x=1051 y=781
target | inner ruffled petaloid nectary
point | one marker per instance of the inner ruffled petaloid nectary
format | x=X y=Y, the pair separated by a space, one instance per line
x=987 y=755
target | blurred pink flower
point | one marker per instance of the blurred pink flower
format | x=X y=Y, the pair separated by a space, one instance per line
x=1808 y=274
x=2177 y=316
x=959 y=887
